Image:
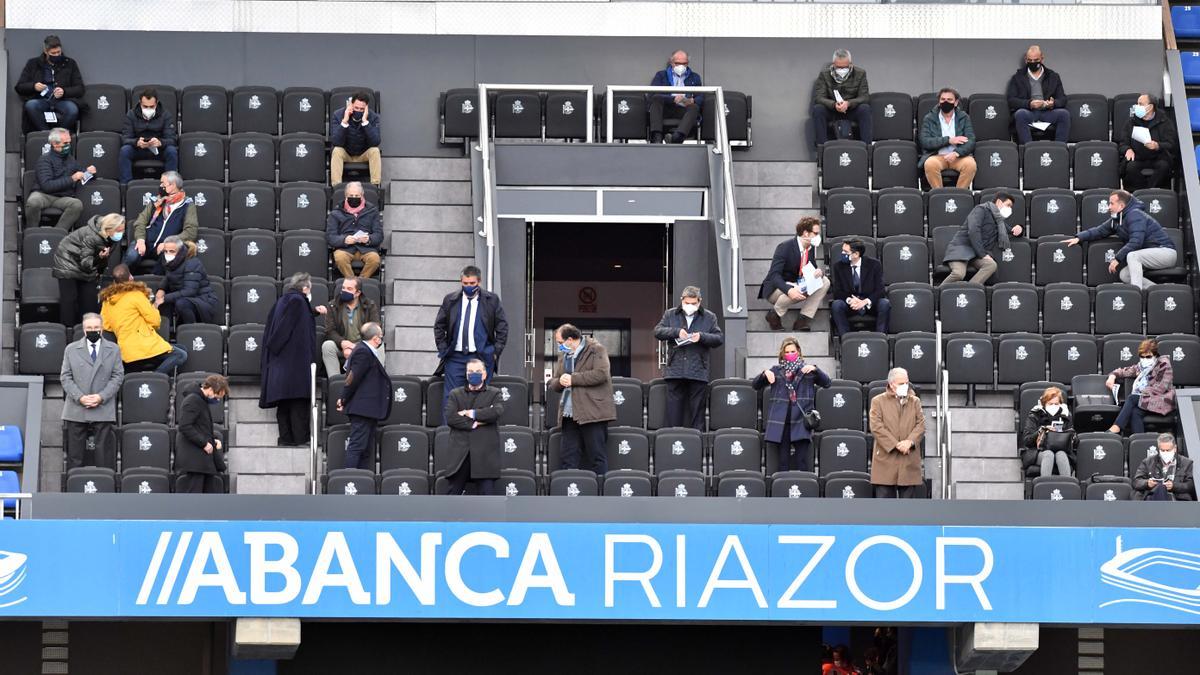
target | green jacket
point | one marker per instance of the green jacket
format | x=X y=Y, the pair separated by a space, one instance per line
x=854 y=89
x=932 y=140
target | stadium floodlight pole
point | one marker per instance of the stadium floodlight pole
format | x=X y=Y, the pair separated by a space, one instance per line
x=314 y=460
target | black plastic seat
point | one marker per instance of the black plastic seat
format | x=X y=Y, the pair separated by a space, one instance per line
x=899 y=211
x=303 y=206
x=41 y=348
x=998 y=165
x=847 y=211
x=916 y=352
x=840 y=405
x=1020 y=358
x=1118 y=309
x=912 y=307
x=405 y=447
x=252 y=251
x=843 y=450
x=302 y=158
x=1072 y=354
x=351 y=482
x=962 y=306
x=1099 y=453
x=1170 y=309
x=251 y=156
x=795 y=485
x=254 y=109
x=844 y=163
x=107 y=105
x=1089 y=117
x=1097 y=165
x=891 y=115
x=904 y=258
x=894 y=164
x=1056 y=488
x=303 y=110
x=145 y=444
x=1046 y=164
x=1053 y=211
x=252 y=206
x=145 y=397
x=865 y=356
x=1057 y=262
x=991 y=117
x=204 y=345
x=1066 y=308
x=948 y=206
x=969 y=358
x=251 y=299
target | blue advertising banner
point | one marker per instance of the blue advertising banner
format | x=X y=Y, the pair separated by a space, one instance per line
x=673 y=572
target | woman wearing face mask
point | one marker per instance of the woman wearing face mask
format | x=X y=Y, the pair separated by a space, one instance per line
x=981 y=239
x=793 y=386
x=185 y=294
x=199 y=452
x=1152 y=391
x=1049 y=415
x=288 y=347
x=78 y=262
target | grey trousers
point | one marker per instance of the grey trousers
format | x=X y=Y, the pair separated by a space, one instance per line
x=1050 y=459
x=70 y=206
x=1146 y=259
x=331 y=356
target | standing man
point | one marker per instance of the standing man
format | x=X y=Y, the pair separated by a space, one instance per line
x=354 y=134
x=690 y=332
x=858 y=288
x=51 y=85
x=681 y=106
x=91 y=379
x=984 y=233
x=795 y=278
x=367 y=397
x=348 y=312
x=1147 y=246
x=948 y=139
x=898 y=424
x=841 y=94
x=199 y=453
x=471 y=412
x=470 y=324
x=583 y=378
x=1035 y=94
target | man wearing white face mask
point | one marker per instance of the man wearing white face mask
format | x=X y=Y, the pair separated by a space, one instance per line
x=898 y=425
x=841 y=94
x=1165 y=476
x=984 y=233
x=795 y=278
x=148 y=133
x=685 y=107
x=690 y=332
x=1148 y=142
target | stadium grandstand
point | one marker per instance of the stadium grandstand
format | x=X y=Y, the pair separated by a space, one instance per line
x=348 y=336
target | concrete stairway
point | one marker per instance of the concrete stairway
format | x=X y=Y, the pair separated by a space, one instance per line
x=430 y=221
x=256 y=464
x=986 y=464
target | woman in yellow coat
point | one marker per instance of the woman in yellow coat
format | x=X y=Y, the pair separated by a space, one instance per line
x=127 y=313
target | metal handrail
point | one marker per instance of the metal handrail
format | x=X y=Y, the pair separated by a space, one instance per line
x=946 y=450
x=939 y=427
x=731 y=233
x=485 y=154
x=18 y=496
x=314 y=458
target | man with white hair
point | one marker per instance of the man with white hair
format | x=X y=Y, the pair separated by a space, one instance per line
x=1165 y=476
x=91 y=379
x=58 y=176
x=170 y=214
x=898 y=425
x=841 y=95
x=354 y=232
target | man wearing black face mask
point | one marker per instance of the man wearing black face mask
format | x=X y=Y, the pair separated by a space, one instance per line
x=471 y=412
x=1035 y=94
x=367 y=397
x=51 y=85
x=348 y=312
x=354 y=232
x=470 y=324
x=354 y=134
x=947 y=138
x=91 y=379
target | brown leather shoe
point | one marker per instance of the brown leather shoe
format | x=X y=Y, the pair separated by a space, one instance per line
x=773 y=320
x=803 y=323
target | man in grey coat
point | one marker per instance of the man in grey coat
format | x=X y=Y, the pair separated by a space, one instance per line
x=985 y=232
x=690 y=332
x=91 y=379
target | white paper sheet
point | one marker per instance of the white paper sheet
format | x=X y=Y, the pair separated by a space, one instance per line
x=50 y=116
x=1040 y=126
x=1141 y=134
x=811 y=283
x=837 y=96
x=1116 y=390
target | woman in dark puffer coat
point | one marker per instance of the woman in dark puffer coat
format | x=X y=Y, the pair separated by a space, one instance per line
x=185 y=295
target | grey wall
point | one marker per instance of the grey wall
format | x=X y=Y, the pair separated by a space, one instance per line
x=412 y=70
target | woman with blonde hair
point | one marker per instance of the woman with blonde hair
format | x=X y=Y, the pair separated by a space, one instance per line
x=1039 y=444
x=793 y=386
x=128 y=314
x=78 y=262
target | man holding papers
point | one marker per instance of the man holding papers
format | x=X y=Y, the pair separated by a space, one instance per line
x=794 y=278
x=1037 y=100
x=354 y=231
x=1147 y=143
x=690 y=332
x=841 y=94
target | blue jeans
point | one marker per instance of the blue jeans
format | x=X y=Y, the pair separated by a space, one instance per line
x=861 y=114
x=840 y=313
x=67 y=111
x=132 y=257
x=1131 y=415
x=169 y=154
x=455 y=374
x=1059 y=117
x=171 y=361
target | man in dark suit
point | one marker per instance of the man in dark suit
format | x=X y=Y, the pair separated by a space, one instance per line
x=858 y=288
x=471 y=412
x=470 y=324
x=681 y=106
x=199 y=454
x=367 y=397
x=786 y=284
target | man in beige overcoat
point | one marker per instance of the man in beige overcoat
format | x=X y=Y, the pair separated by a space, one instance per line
x=584 y=379
x=898 y=424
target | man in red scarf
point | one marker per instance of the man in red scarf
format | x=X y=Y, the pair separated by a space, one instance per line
x=354 y=232
x=172 y=213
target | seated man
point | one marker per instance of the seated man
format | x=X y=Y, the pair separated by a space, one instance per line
x=1035 y=94
x=51 y=85
x=795 y=278
x=354 y=134
x=171 y=214
x=148 y=133
x=1147 y=246
x=685 y=108
x=58 y=176
x=354 y=232
x=858 y=288
x=980 y=240
x=1165 y=476
x=841 y=94
x=1147 y=142
x=347 y=314
x=948 y=140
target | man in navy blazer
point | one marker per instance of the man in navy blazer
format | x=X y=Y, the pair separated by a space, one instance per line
x=367 y=397
x=685 y=108
x=470 y=324
x=858 y=288
x=784 y=285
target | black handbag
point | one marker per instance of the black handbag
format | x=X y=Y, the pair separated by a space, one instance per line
x=812 y=419
x=1058 y=441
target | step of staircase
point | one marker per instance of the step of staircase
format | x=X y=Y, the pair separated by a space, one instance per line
x=257 y=464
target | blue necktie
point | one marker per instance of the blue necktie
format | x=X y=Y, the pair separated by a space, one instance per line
x=93 y=353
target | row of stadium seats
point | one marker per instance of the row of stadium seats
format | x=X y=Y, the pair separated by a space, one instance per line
x=1093 y=410
x=1099 y=453
x=216 y=109
x=1068 y=488
x=1039 y=164
x=143 y=480
x=146 y=445
x=1045 y=211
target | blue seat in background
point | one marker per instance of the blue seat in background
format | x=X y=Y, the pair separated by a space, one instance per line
x=1186 y=20
x=12 y=448
x=1194 y=112
x=1191 y=67
x=10 y=483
